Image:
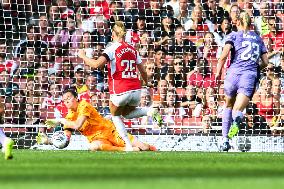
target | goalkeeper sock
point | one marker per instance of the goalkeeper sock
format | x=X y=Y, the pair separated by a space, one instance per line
x=2 y=136
x=138 y=112
x=108 y=147
x=226 y=122
x=120 y=127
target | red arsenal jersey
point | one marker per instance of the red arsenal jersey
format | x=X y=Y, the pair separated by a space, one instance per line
x=122 y=67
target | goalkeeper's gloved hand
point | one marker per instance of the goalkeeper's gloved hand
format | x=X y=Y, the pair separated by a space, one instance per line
x=51 y=123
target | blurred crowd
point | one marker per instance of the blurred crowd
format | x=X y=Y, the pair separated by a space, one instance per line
x=178 y=40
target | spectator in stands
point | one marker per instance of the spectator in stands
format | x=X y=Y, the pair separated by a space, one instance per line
x=175 y=6
x=214 y=12
x=133 y=35
x=92 y=88
x=159 y=96
x=253 y=122
x=190 y=57
x=8 y=115
x=197 y=25
x=209 y=49
x=42 y=79
x=178 y=76
x=67 y=69
x=118 y=14
x=191 y=102
x=223 y=30
x=131 y=10
x=48 y=60
x=267 y=104
x=201 y=76
x=19 y=107
x=167 y=30
x=179 y=44
x=54 y=97
x=31 y=40
x=32 y=92
x=102 y=33
x=67 y=36
x=152 y=77
x=7 y=87
x=32 y=117
x=87 y=44
x=270 y=71
x=53 y=16
x=5 y=20
x=145 y=45
x=153 y=15
x=172 y=109
x=78 y=81
x=248 y=6
x=278 y=7
x=146 y=102
x=261 y=22
x=276 y=88
x=234 y=13
x=206 y=124
x=64 y=10
x=83 y=21
x=161 y=68
x=272 y=54
x=225 y=4
x=5 y=62
x=211 y=107
x=103 y=108
x=44 y=33
x=276 y=34
x=27 y=65
x=184 y=12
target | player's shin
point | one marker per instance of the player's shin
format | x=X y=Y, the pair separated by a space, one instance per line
x=120 y=127
x=226 y=123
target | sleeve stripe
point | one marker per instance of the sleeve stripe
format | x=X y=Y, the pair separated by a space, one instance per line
x=263 y=53
x=106 y=56
x=229 y=42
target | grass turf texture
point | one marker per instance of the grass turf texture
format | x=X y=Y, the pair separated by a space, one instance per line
x=83 y=169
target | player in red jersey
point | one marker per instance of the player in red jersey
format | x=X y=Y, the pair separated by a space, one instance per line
x=123 y=80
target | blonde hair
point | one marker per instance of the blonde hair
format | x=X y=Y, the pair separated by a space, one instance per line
x=245 y=19
x=119 y=29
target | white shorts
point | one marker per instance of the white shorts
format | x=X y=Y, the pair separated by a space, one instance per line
x=130 y=98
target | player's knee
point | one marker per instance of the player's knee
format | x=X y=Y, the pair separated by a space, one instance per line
x=95 y=146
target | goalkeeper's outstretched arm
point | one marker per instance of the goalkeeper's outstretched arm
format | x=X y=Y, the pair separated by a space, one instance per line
x=74 y=124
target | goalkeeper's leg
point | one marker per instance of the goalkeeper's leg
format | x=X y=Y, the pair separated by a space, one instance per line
x=105 y=145
x=141 y=145
x=7 y=144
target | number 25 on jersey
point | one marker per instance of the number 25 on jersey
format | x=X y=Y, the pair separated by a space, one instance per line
x=130 y=69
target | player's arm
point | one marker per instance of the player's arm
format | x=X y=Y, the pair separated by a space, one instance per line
x=94 y=63
x=143 y=72
x=223 y=58
x=74 y=124
x=264 y=61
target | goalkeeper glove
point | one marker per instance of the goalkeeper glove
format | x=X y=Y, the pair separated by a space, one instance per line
x=51 y=123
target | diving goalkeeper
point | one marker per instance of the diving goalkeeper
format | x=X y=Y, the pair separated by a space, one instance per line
x=100 y=132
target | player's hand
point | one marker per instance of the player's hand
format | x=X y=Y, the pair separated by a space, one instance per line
x=81 y=53
x=217 y=78
x=51 y=123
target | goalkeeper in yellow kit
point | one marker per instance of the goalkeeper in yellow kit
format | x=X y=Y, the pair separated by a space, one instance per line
x=100 y=132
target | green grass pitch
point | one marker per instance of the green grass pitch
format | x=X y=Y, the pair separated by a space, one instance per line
x=146 y=170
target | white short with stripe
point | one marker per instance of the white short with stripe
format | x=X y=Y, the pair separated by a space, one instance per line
x=130 y=98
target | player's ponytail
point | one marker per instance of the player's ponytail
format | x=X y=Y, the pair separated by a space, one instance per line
x=245 y=19
x=119 y=29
